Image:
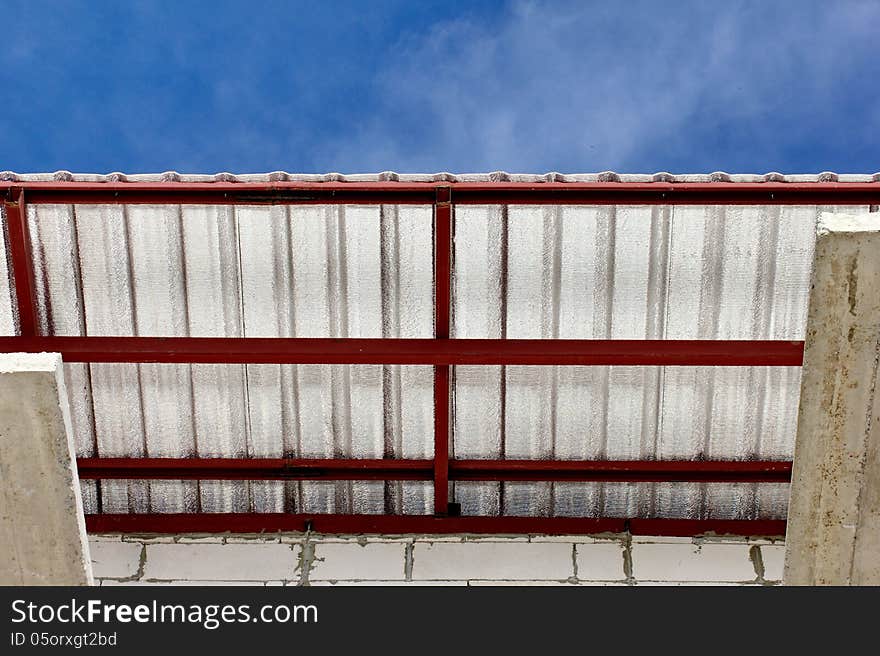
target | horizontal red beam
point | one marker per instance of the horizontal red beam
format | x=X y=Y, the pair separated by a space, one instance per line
x=461 y=470
x=400 y=524
x=696 y=527
x=254 y=350
x=229 y=193
x=663 y=193
x=707 y=471
x=551 y=193
x=253 y=469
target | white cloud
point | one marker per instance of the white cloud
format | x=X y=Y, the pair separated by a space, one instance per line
x=590 y=86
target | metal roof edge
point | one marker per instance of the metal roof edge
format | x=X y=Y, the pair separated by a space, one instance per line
x=391 y=176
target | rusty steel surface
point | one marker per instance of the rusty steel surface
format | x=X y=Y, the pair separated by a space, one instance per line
x=22 y=266
x=443 y=240
x=402 y=524
x=440 y=352
x=466 y=193
x=707 y=471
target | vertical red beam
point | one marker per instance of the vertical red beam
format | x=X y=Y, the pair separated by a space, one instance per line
x=442 y=306
x=22 y=264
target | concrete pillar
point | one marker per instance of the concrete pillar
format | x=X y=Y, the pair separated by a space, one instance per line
x=42 y=528
x=833 y=535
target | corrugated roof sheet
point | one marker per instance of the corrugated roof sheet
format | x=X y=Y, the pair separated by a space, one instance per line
x=391 y=176
x=677 y=272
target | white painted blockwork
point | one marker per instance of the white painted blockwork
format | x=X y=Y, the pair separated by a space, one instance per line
x=492 y=560
x=353 y=561
x=42 y=530
x=296 y=559
x=117 y=560
x=219 y=562
x=601 y=561
x=692 y=562
x=773 y=559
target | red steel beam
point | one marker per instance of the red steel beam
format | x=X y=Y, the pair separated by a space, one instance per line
x=708 y=527
x=550 y=193
x=228 y=193
x=443 y=232
x=707 y=471
x=426 y=524
x=253 y=469
x=22 y=266
x=671 y=193
x=438 y=352
x=678 y=471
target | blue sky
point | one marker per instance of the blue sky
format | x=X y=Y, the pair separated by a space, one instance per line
x=423 y=86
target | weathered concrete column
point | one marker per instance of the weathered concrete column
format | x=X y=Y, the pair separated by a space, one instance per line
x=833 y=535
x=42 y=528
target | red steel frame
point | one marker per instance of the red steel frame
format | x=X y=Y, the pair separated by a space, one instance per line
x=441 y=352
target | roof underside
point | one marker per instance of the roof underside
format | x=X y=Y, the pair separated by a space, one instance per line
x=542 y=272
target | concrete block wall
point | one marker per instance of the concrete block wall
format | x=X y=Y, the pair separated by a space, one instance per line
x=315 y=560
x=42 y=529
